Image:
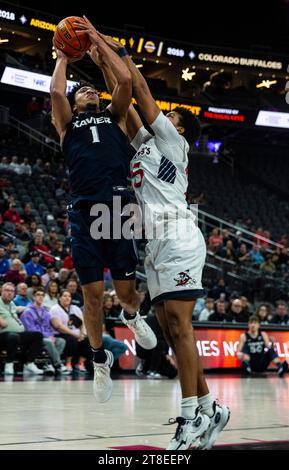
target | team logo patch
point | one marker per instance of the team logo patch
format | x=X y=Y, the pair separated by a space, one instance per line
x=184 y=279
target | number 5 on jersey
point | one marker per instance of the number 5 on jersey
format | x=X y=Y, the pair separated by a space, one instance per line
x=137 y=175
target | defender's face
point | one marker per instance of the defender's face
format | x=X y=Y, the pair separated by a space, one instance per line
x=86 y=96
x=174 y=117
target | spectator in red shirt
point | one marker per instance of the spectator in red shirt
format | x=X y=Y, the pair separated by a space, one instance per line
x=215 y=240
x=39 y=245
x=33 y=107
x=68 y=263
x=267 y=235
x=12 y=215
x=259 y=233
x=46 y=106
x=14 y=274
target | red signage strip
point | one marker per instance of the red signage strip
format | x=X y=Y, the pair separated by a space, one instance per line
x=217 y=347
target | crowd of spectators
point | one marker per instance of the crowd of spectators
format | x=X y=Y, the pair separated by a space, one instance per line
x=238 y=309
x=253 y=251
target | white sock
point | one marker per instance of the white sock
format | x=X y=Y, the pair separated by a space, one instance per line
x=188 y=407
x=207 y=404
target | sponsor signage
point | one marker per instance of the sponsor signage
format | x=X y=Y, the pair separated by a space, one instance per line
x=224 y=114
x=38 y=23
x=273 y=119
x=217 y=347
x=7 y=15
x=30 y=80
x=19 y=16
x=240 y=61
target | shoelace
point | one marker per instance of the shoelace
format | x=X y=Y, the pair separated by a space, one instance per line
x=180 y=422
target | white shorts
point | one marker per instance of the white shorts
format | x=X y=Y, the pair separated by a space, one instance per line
x=174 y=267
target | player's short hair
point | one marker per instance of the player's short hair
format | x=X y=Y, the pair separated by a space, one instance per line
x=190 y=123
x=254 y=318
x=71 y=95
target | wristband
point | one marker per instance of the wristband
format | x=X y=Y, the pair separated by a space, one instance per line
x=122 y=52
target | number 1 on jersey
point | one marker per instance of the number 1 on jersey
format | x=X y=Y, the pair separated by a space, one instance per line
x=95 y=135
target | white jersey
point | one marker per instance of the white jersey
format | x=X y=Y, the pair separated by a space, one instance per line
x=159 y=168
x=174 y=258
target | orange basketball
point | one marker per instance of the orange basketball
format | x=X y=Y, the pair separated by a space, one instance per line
x=70 y=42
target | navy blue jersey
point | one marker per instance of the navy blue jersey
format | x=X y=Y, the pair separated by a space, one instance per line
x=97 y=156
x=255 y=346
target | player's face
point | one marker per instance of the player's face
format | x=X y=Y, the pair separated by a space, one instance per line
x=254 y=326
x=86 y=96
x=174 y=117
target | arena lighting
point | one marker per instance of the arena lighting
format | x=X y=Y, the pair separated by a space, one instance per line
x=273 y=119
x=160 y=49
x=186 y=75
x=150 y=47
x=140 y=45
x=266 y=84
x=23 y=19
x=139 y=66
x=3 y=40
x=214 y=147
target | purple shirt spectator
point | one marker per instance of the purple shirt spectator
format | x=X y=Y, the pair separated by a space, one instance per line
x=37 y=319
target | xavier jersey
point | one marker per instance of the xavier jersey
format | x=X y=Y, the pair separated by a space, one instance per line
x=159 y=168
x=255 y=346
x=96 y=153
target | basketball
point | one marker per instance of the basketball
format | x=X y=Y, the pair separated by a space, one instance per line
x=73 y=44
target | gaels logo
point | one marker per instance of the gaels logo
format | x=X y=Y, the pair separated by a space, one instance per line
x=184 y=279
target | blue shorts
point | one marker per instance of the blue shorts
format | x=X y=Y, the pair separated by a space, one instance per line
x=91 y=256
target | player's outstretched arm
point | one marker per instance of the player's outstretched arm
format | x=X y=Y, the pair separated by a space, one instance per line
x=62 y=113
x=133 y=122
x=122 y=93
x=141 y=91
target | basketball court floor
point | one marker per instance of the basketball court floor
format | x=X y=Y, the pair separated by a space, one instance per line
x=56 y=414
